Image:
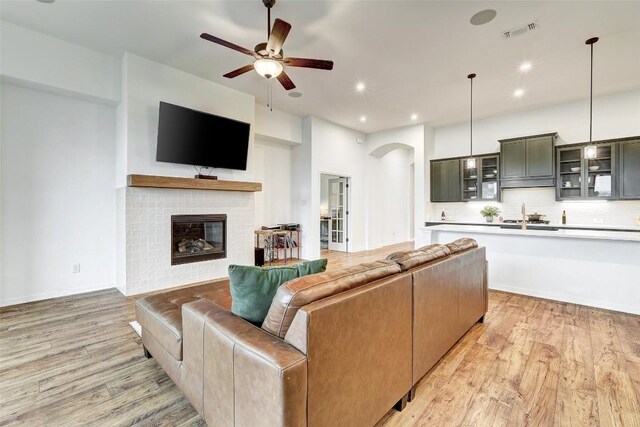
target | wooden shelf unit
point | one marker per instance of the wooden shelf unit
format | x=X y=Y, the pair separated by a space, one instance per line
x=153 y=181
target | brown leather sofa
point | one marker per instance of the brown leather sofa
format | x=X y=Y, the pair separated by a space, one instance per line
x=336 y=348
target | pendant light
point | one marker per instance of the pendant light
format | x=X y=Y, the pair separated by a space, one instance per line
x=591 y=151
x=471 y=162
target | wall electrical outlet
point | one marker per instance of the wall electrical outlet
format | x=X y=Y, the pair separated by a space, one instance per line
x=75 y=268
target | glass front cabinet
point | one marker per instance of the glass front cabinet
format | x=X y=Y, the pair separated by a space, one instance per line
x=481 y=182
x=586 y=179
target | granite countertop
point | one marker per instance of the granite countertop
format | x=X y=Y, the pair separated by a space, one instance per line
x=571 y=233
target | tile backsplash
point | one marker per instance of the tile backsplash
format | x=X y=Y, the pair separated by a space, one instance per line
x=542 y=201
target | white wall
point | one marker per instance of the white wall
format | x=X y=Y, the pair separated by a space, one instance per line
x=301 y=194
x=146 y=83
x=40 y=61
x=324 y=192
x=272 y=162
x=389 y=198
x=419 y=138
x=58 y=204
x=335 y=151
x=614 y=116
x=277 y=126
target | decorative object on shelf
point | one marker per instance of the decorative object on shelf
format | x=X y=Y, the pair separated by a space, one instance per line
x=443 y=217
x=591 y=151
x=594 y=168
x=567 y=184
x=564 y=217
x=575 y=169
x=470 y=163
x=489 y=212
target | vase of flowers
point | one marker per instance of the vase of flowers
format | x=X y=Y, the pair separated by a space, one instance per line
x=489 y=212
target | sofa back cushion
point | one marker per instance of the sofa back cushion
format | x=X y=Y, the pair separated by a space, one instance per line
x=462 y=244
x=252 y=289
x=299 y=292
x=410 y=259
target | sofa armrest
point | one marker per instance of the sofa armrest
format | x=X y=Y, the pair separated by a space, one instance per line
x=250 y=376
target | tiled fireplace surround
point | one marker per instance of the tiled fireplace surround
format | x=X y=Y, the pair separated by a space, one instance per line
x=143 y=227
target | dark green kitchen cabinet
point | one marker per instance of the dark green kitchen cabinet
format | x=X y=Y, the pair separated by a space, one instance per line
x=528 y=161
x=445 y=180
x=629 y=169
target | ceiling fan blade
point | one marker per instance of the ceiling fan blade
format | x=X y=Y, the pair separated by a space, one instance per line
x=278 y=35
x=239 y=71
x=321 y=64
x=285 y=81
x=230 y=45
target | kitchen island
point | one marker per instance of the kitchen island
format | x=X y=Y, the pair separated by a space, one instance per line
x=599 y=268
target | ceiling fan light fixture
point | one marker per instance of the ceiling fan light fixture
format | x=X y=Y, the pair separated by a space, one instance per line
x=268 y=68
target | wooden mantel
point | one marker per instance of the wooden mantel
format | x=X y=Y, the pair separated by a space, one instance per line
x=152 y=181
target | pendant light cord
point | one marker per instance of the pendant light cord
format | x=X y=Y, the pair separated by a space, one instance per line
x=471 y=77
x=591 y=42
x=591 y=99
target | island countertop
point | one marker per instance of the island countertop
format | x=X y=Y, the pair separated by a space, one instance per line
x=549 y=231
x=597 y=268
x=631 y=228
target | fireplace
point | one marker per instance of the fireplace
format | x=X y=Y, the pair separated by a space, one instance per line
x=196 y=238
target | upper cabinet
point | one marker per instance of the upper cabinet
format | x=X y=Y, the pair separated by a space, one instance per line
x=446 y=180
x=451 y=181
x=581 y=178
x=528 y=161
x=629 y=173
x=613 y=174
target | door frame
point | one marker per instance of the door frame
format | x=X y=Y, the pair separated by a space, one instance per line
x=347 y=223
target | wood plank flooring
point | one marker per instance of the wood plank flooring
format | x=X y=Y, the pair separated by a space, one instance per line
x=75 y=361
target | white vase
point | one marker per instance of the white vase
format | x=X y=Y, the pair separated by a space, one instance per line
x=489 y=218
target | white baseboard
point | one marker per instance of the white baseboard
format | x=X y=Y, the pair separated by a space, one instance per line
x=566 y=298
x=54 y=294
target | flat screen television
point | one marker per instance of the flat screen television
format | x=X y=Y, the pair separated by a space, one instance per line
x=197 y=138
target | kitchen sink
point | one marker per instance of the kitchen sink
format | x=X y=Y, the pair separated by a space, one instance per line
x=530 y=227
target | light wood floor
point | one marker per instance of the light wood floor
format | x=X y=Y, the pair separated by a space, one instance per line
x=75 y=361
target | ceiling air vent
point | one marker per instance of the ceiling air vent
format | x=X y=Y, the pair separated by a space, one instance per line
x=521 y=29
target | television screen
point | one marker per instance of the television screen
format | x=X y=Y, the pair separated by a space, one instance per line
x=197 y=138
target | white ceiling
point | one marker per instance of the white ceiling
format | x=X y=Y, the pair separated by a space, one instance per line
x=414 y=56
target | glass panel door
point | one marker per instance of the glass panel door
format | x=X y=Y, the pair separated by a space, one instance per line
x=598 y=173
x=570 y=173
x=489 y=178
x=337 y=212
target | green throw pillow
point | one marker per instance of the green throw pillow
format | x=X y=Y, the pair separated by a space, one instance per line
x=253 y=288
x=312 y=267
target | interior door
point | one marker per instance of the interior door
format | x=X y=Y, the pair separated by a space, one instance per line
x=338 y=212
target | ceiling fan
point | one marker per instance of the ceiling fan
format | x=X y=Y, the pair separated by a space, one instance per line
x=269 y=57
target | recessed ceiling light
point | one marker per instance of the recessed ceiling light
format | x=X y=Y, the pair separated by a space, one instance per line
x=518 y=93
x=360 y=86
x=363 y=119
x=483 y=17
x=414 y=117
x=46 y=1
x=295 y=94
x=525 y=66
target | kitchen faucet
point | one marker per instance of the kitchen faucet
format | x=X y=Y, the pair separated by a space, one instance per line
x=524 y=217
